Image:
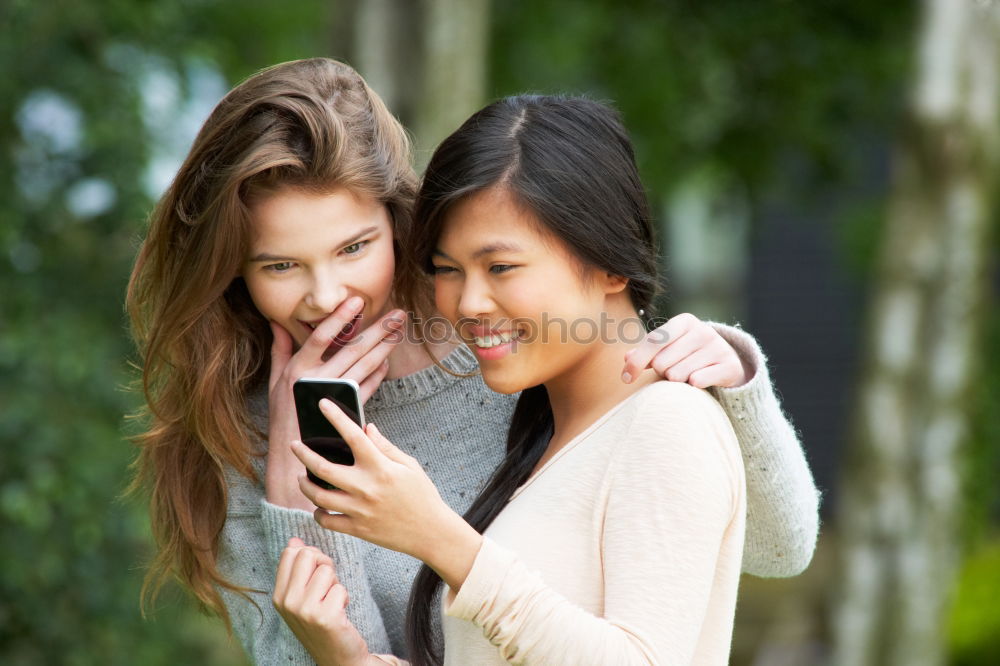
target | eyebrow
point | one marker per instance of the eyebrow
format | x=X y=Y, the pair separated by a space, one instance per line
x=264 y=256
x=491 y=248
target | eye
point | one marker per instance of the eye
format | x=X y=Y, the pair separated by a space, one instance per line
x=354 y=248
x=280 y=267
x=501 y=268
x=442 y=270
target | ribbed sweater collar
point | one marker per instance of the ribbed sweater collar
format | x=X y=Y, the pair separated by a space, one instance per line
x=424 y=383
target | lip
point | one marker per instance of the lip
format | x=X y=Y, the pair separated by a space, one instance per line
x=476 y=334
x=493 y=353
x=309 y=326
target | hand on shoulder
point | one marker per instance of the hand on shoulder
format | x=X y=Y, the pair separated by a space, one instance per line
x=686 y=349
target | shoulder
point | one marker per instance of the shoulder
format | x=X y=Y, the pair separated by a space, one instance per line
x=677 y=404
x=243 y=495
x=677 y=425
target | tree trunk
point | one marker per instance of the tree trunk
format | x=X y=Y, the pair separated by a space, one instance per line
x=707 y=222
x=901 y=502
x=389 y=54
x=456 y=37
x=426 y=60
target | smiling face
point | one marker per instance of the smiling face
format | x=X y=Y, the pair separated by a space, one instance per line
x=516 y=295
x=310 y=252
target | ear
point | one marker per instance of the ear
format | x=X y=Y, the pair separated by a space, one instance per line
x=614 y=284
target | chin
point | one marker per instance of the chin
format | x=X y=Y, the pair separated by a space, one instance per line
x=506 y=385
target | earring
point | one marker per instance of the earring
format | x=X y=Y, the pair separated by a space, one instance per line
x=642 y=313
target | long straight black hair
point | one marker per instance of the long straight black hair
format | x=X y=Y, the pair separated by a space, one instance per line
x=569 y=161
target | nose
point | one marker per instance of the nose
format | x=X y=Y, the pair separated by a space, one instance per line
x=325 y=292
x=475 y=300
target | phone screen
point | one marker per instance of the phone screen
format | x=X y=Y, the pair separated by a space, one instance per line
x=319 y=434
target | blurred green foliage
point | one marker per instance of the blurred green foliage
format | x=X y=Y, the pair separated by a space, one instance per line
x=975 y=625
x=763 y=89
x=974 y=628
x=72 y=203
x=785 y=97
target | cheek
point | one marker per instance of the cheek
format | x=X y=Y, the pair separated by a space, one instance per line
x=269 y=299
x=566 y=320
x=258 y=294
x=446 y=298
x=522 y=299
x=382 y=270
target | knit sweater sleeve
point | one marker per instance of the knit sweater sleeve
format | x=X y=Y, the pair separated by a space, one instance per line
x=253 y=537
x=280 y=524
x=782 y=499
x=675 y=501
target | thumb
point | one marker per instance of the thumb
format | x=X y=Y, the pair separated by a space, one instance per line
x=388 y=449
x=296 y=542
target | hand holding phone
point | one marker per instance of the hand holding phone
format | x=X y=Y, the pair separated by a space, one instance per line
x=316 y=432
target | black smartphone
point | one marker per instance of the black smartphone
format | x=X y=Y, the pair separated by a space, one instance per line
x=316 y=432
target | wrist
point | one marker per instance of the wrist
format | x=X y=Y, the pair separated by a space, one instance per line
x=749 y=370
x=747 y=351
x=453 y=552
x=375 y=660
x=281 y=486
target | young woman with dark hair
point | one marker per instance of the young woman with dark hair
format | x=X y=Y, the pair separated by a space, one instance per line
x=277 y=244
x=613 y=530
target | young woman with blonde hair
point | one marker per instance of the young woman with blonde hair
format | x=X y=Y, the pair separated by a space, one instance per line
x=276 y=254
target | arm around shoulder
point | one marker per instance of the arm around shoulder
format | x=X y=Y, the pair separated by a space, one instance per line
x=782 y=499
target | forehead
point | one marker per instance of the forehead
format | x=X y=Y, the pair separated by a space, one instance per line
x=293 y=212
x=493 y=217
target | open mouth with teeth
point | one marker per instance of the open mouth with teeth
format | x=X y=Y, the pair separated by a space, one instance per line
x=496 y=339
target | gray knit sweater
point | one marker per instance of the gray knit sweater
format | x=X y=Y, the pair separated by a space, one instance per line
x=456 y=427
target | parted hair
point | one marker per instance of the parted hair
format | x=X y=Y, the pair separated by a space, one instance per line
x=570 y=163
x=203 y=347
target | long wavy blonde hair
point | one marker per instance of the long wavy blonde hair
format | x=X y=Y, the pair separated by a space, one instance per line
x=311 y=124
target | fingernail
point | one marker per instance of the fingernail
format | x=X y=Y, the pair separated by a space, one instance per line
x=626 y=377
x=355 y=303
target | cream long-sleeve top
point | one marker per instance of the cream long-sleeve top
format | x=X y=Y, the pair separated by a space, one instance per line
x=624 y=548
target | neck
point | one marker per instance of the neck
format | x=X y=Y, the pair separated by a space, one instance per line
x=581 y=395
x=410 y=356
